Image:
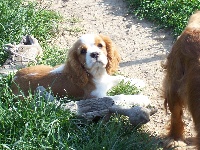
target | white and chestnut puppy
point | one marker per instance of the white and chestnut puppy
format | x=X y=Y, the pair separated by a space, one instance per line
x=87 y=72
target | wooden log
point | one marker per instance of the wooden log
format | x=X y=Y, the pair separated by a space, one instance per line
x=101 y=107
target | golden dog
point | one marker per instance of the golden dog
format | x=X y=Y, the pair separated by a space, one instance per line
x=182 y=80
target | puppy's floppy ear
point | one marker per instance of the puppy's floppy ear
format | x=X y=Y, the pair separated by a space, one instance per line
x=75 y=69
x=112 y=54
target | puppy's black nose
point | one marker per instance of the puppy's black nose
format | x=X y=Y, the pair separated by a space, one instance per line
x=94 y=55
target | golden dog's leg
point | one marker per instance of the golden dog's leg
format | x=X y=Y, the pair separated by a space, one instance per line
x=175 y=136
x=177 y=126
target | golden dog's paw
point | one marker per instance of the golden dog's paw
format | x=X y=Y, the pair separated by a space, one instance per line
x=170 y=143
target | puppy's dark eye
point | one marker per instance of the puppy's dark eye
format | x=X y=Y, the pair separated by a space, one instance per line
x=100 y=45
x=83 y=51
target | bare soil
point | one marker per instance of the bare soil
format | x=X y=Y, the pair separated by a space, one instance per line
x=141 y=44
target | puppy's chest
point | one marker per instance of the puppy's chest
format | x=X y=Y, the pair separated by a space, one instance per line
x=101 y=87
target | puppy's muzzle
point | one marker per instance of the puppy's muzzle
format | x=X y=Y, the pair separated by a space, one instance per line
x=94 y=55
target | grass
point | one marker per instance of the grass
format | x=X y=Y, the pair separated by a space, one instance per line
x=53 y=56
x=25 y=125
x=19 y=19
x=168 y=14
x=124 y=88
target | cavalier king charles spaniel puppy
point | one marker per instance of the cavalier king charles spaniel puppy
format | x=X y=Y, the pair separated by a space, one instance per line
x=182 y=81
x=86 y=74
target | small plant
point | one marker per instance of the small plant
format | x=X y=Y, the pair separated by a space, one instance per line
x=73 y=30
x=124 y=87
x=73 y=20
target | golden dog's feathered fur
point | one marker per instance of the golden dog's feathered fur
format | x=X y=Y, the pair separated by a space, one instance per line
x=182 y=80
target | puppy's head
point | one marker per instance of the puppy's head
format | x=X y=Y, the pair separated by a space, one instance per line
x=92 y=54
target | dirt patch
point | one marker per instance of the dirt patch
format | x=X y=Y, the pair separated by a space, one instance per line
x=142 y=46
